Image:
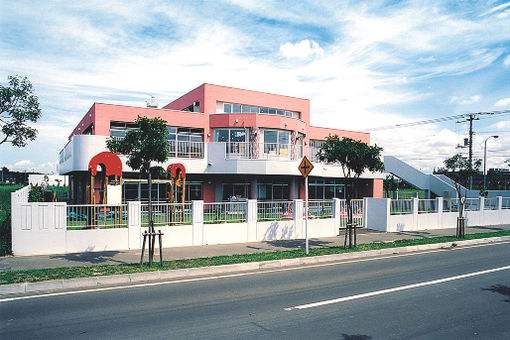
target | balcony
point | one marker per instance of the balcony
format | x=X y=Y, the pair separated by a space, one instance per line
x=273 y=151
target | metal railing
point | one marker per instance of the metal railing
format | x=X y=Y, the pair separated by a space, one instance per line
x=401 y=207
x=185 y=149
x=167 y=214
x=225 y=212
x=246 y=150
x=357 y=212
x=320 y=209
x=491 y=203
x=505 y=203
x=90 y=216
x=275 y=210
x=472 y=204
x=427 y=206
x=451 y=205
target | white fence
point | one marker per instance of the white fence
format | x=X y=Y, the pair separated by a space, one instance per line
x=418 y=214
x=52 y=228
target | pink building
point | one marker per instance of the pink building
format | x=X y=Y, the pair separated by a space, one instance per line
x=234 y=143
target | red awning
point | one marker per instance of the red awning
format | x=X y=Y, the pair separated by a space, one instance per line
x=111 y=162
x=172 y=170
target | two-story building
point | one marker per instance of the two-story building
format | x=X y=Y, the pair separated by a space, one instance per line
x=233 y=143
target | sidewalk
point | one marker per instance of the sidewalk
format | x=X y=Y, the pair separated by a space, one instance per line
x=12 y=263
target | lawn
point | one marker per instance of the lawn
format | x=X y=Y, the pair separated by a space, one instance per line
x=5 y=217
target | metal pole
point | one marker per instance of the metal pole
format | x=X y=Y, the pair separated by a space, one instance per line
x=306 y=214
x=485 y=166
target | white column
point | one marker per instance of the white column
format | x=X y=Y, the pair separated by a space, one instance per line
x=198 y=223
x=500 y=202
x=298 y=218
x=415 y=212
x=251 y=220
x=134 y=225
x=336 y=214
x=482 y=203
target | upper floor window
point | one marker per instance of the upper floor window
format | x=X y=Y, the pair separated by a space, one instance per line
x=238 y=108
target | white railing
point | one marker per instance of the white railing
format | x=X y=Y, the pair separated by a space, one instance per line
x=357 y=212
x=164 y=214
x=320 y=209
x=426 y=206
x=275 y=210
x=66 y=152
x=186 y=149
x=491 y=203
x=472 y=204
x=246 y=150
x=94 y=216
x=225 y=212
x=451 y=205
x=401 y=207
x=505 y=203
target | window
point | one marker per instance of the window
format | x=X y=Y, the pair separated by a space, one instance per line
x=232 y=192
x=326 y=189
x=276 y=142
x=230 y=135
x=227 y=108
x=272 y=191
x=238 y=108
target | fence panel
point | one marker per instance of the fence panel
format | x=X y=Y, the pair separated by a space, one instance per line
x=401 y=207
x=472 y=204
x=506 y=203
x=167 y=213
x=320 y=209
x=89 y=216
x=451 y=205
x=274 y=211
x=225 y=212
x=427 y=206
x=357 y=212
x=491 y=204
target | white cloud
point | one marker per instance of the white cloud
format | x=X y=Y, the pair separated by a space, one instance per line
x=465 y=101
x=506 y=61
x=503 y=102
x=302 y=50
x=28 y=165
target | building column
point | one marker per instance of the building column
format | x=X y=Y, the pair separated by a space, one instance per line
x=253 y=189
x=292 y=188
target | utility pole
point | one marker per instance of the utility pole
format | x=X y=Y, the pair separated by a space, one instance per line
x=470 y=144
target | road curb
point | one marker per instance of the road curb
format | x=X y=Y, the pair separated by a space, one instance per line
x=110 y=280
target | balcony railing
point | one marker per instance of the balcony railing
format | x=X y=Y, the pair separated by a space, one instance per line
x=246 y=150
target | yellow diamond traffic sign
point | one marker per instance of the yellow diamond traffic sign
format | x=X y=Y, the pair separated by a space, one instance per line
x=305 y=167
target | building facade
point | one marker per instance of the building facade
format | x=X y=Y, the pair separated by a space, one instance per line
x=234 y=143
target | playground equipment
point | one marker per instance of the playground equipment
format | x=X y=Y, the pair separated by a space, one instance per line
x=177 y=190
x=105 y=188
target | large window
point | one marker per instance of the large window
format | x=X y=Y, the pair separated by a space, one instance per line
x=320 y=188
x=272 y=191
x=276 y=142
x=235 y=191
x=238 y=108
x=230 y=135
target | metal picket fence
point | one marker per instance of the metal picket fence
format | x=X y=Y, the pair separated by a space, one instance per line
x=357 y=212
x=93 y=216
x=320 y=209
x=167 y=213
x=401 y=207
x=427 y=206
x=491 y=203
x=275 y=210
x=225 y=212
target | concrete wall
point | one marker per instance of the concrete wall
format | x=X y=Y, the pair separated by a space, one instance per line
x=40 y=228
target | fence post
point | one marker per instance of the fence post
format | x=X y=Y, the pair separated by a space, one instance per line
x=482 y=204
x=500 y=202
x=439 y=211
x=251 y=221
x=297 y=216
x=415 y=209
x=336 y=215
x=364 y=211
x=134 y=225
x=197 y=222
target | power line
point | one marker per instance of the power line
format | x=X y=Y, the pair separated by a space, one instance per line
x=439 y=120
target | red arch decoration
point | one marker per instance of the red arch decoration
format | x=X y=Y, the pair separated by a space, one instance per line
x=172 y=170
x=111 y=162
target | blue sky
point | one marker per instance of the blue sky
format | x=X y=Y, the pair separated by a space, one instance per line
x=362 y=64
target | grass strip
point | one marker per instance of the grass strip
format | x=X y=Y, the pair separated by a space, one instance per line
x=35 y=275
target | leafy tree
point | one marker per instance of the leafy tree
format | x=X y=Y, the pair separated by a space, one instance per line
x=18 y=105
x=460 y=170
x=143 y=146
x=354 y=157
x=390 y=184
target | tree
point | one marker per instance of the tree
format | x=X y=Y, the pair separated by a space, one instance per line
x=354 y=157
x=390 y=184
x=460 y=170
x=18 y=105
x=143 y=146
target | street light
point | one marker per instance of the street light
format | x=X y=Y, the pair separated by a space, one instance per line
x=485 y=162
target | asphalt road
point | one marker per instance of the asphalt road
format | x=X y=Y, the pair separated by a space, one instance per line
x=276 y=304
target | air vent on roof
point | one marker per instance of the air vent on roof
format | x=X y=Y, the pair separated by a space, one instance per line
x=152 y=103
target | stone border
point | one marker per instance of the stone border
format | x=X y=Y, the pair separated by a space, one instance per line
x=124 y=279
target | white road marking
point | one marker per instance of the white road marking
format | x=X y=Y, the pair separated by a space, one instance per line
x=396 y=289
x=225 y=276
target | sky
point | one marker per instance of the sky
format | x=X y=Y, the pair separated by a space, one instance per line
x=362 y=64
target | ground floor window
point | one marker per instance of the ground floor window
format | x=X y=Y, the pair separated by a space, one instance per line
x=135 y=190
x=320 y=188
x=272 y=191
x=235 y=191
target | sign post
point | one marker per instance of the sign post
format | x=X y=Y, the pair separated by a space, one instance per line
x=305 y=167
